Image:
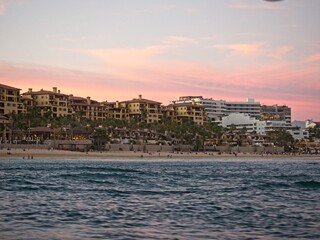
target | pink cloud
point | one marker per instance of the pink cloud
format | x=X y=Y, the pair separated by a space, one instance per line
x=127 y=62
x=313 y=58
x=3 y=4
x=246 y=49
x=177 y=40
x=125 y=74
x=280 y=52
x=277 y=80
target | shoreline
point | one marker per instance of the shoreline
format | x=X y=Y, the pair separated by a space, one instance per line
x=28 y=154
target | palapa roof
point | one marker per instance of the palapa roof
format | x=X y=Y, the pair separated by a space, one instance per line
x=74 y=142
x=41 y=129
x=3 y=117
x=79 y=130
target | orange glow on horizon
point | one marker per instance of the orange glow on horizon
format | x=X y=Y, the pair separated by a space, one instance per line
x=180 y=79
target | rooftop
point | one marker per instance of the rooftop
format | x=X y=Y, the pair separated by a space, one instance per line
x=141 y=100
x=44 y=92
x=8 y=87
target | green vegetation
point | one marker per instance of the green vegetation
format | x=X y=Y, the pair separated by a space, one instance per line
x=100 y=131
x=282 y=138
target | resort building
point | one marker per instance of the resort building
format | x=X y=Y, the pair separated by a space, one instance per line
x=186 y=112
x=88 y=108
x=10 y=100
x=53 y=102
x=299 y=133
x=311 y=124
x=117 y=110
x=249 y=107
x=215 y=109
x=143 y=110
x=276 y=113
x=242 y=121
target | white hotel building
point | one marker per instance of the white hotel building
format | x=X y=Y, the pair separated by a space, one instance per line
x=249 y=107
x=216 y=109
x=251 y=124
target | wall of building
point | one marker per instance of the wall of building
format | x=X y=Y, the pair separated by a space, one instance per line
x=241 y=120
x=247 y=149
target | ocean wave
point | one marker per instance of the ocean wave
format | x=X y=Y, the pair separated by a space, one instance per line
x=308 y=184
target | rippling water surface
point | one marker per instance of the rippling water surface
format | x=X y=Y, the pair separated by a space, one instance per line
x=160 y=199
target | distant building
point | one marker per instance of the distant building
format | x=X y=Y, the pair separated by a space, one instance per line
x=299 y=133
x=143 y=110
x=300 y=124
x=54 y=102
x=117 y=110
x=186 y=112
x=276 y=113
x=215 y=109
x=311 y=124
x=244 y=121
x=10 y=100
x=88 y=108
x=249 y=107
x=251 y=124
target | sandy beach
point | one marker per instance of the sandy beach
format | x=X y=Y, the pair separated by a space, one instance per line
x=45 y=153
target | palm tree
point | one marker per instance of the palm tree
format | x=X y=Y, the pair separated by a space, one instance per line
x=100 y=137
x=282 y=138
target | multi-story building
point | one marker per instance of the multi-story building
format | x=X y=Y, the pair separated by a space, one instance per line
x=244 y=121
x=143 y=110
x=186 y=112
x=299 y=133
x=249 y=107
x=88 y=108
x=79 y=106
x=276 y=113
x=215 y=109
x=10 y=100
x=252 y=124
x=117 y=110
x=50 y=101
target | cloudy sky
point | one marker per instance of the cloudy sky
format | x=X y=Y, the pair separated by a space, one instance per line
x=115 y=50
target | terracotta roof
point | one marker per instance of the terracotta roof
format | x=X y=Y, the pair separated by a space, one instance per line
x=8 y=87
x=110 y=103
x=77 y=98
x=142 y=100
x=42 y=92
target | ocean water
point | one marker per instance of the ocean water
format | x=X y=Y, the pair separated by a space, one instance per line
x=160 y=199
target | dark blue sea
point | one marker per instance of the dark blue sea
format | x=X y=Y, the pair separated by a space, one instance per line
x=160 y=199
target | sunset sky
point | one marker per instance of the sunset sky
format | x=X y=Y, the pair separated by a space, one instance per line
x=117 y=49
